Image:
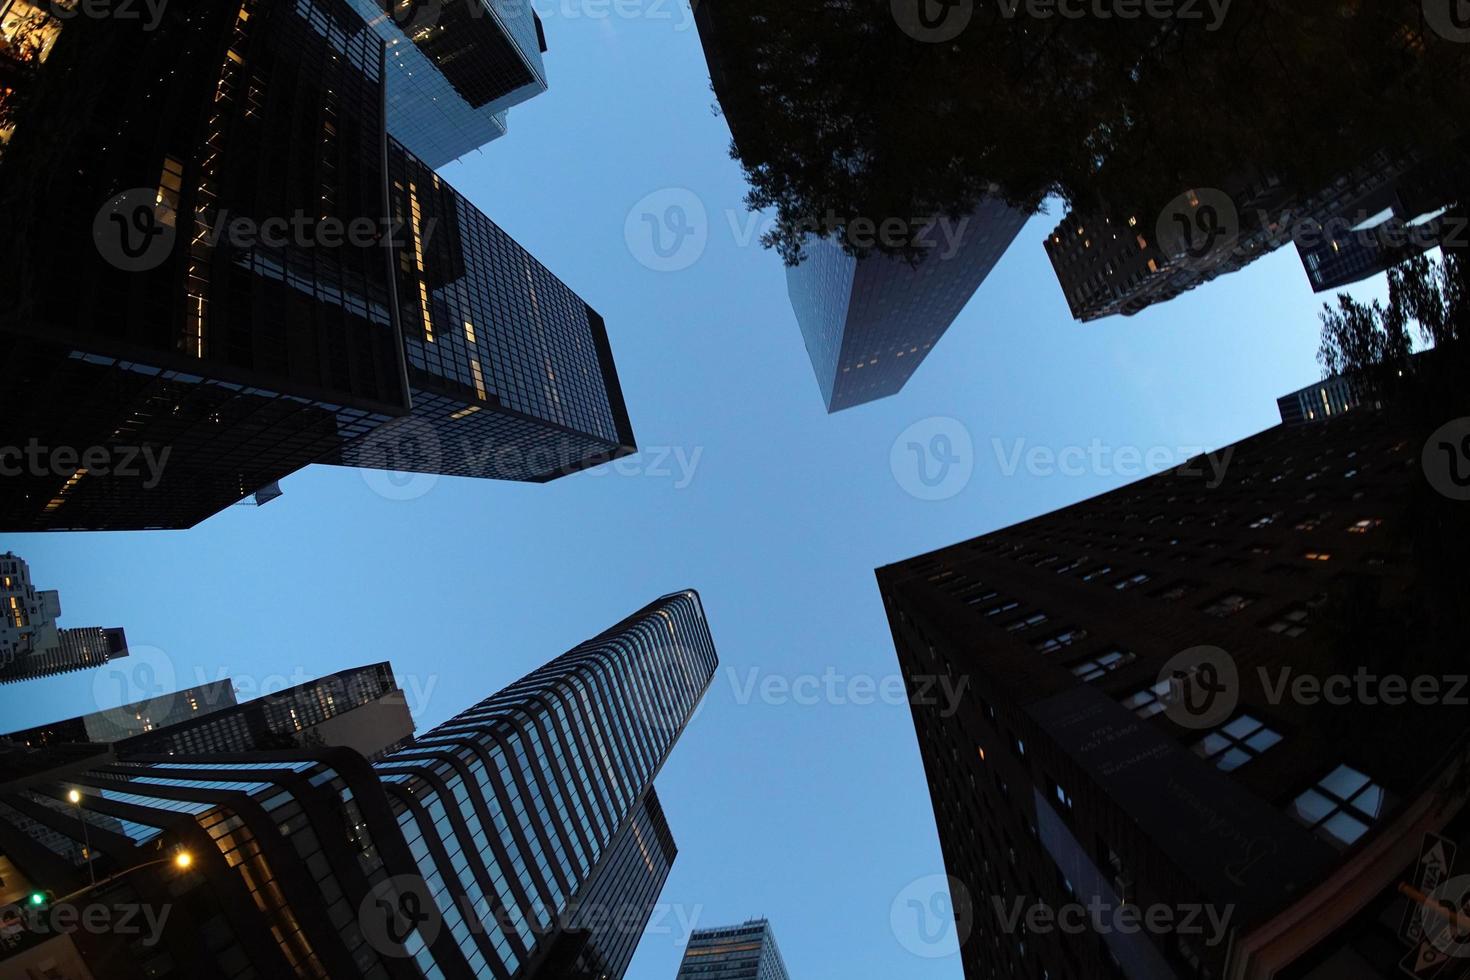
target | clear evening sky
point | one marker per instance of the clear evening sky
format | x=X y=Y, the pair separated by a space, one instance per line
x=798 y=792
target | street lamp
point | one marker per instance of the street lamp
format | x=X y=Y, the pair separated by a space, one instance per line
x=75 y=796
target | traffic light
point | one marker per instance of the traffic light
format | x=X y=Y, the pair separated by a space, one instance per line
x=38 y=899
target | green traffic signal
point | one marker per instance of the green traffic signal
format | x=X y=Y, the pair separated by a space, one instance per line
x=38 y=898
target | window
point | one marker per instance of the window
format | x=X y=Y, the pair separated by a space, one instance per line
x=1173 y=593
x=1002 y=607
x=1228 y=604
x=1130 y=582
x=1317 y=555
x=1097 y=573
x=1234 y=744
x=1264 y=521
x=1292 y=622
x=1365 y=525
x=1059 y=640
x=1035 y=619
x=1150 y=701
x=1342 y=806
x=1091 y=669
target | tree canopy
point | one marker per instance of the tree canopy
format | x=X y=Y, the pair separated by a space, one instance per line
x=842 y=112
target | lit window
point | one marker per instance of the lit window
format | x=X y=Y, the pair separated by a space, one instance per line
x=1091 y=669
x=1364 y=526
x=1228 y=605
x=1129 y=583
x=1317 y=555
x=1063 y=639
x=1233 y=745
x=1342 y=806
x=1150 y=701
x=1035 y=619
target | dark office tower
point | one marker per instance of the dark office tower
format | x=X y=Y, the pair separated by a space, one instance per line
x=1388 y=225
x=138 y=718
x=197 y=328
x=31 y=644
x=1115 y=263
x=745 y=952
x=511 y=374
x=1098 y=699
x=361 y=709
x=608 y=919
x=493 y=835
x=455 y=68
x=869 y=323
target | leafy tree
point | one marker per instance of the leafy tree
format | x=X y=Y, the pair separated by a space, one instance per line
x=839 y=113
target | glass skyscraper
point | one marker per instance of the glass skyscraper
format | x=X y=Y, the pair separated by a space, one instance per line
x=455 y=68
x=868 y=323
x=743 y=952
x=31 y=644
x=492 y=847
x=511 y=373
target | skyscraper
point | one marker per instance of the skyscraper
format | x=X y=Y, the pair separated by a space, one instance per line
x=1111 y=263
x=1123 y=738
x=193 y=335
x=743 y=952
x=510 y=372
x=236 y=314
x=129 y=720
x=31 y=644
x=868 y=323
x=474 y=852
x=455 y=69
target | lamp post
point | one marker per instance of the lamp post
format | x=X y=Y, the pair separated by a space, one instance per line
x=75 y=797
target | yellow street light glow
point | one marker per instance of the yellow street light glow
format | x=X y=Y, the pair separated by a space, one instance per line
x=184 y=859
x=74 y=796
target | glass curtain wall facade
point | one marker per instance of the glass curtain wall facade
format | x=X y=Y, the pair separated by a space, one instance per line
x=196 y=331
x=455 y=69
x=511 y=373
x=869 y=323
x=512 y=822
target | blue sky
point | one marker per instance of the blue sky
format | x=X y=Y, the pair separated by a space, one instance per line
x=815 y=815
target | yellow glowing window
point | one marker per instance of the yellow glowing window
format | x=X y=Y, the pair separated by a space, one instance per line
x=464 y=413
